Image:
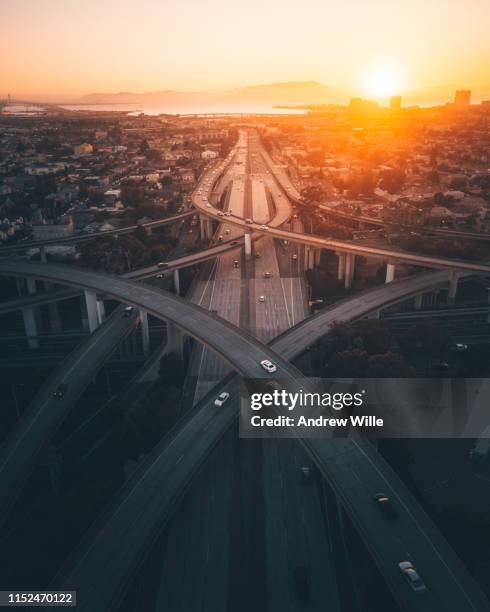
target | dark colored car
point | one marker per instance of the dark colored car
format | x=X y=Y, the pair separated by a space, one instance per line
x=384 y=503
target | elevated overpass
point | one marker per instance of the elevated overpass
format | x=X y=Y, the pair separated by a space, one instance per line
x=422 y=229
x=67 y=240
x=21 y=449
x=124 y=534
x=201 y=203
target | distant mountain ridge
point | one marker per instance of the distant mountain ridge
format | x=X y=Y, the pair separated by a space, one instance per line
x=293 y=92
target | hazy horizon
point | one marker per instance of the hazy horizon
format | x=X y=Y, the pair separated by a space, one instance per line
x=65 y=50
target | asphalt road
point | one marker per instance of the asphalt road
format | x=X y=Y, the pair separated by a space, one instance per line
x=21 y=449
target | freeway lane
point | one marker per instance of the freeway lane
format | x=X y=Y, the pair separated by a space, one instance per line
x=238 y=349
x=341 y=246
x=298 y=338
x=126 y=531
x=45 y=414
x=422 y=229
x=32 y=244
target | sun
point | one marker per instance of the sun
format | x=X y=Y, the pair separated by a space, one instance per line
x=382 y=80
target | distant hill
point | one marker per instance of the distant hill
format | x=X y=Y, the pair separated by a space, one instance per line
x=295 y=92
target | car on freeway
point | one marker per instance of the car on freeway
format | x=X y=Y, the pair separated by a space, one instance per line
x=459 y=346
x=412 y=577
x=305 y=475
x=162 y=264
x=268 y=366
x=261 y=298
x=60 y=391
x=267 y=274
x=235 y=263
x=385 y=505
x=227 y=231
x=220 y=238
x=227 y=213
x=257 y=255
x=221 y=399
x=221 y=214
x=248 y=221
x=295 y=256
x=159 y=276
x=208 y=206
x=263 y=227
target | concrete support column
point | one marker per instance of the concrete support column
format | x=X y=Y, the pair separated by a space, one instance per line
x=453 y=286
x=175 y=340
x=30 y=326
x=202 y=226
x=318 y=256
x=311 y=259
x=341 y=266
x=209 y=230
x=92 y=313
x=176 y=282
x=349 y=269
x=30 y=316
x=417 y=303
x=145 y=332
x=54 y=316
x=248 y=244
x=100 y=310
x=42 y=252
x=390 y=272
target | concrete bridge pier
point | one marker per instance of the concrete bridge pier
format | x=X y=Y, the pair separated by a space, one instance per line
x=42 y=252
x=177 y=282
x=248 y=244
x=318 y=256
x=29 y=315
x=341 y=266
x=390 y=272
x=453 y=286
x=95 y=310
x=175 y=340
x=145 y=331
x=350 y=263
x=417 y=303
x=203 y=227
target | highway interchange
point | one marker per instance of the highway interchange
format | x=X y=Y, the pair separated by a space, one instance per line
x=354 y=470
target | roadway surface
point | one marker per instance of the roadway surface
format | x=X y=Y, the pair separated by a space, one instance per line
x=354 y=471
x=422 y=229
x=21 y=449
x=33 y=244
x=450 y=586
x=392 y=255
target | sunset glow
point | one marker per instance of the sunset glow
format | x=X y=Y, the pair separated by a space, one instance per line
x=69 y=48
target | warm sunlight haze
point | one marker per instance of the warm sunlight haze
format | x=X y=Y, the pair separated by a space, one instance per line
x=63 y=49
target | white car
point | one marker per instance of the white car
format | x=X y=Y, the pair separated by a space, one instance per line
x=263 y=227
x=261 y=298
x=268 y=366
x=248 y=221
x=221 y=399
x=412 y=577
x=221 y=214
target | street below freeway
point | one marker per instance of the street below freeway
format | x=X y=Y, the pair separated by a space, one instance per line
x=21 y=449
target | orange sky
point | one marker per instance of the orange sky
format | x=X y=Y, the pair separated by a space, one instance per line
x=72 y=47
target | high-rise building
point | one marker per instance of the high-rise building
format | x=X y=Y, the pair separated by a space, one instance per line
x=462 y=98
x=395 y=103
